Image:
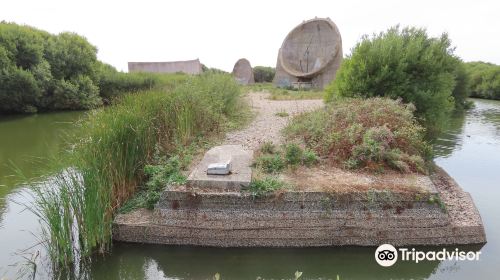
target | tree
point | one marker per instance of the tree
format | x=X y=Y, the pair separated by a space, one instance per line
x=484 y=79
x=402 y=63
x=263 y=74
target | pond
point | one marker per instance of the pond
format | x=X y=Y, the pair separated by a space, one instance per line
x=469 y=150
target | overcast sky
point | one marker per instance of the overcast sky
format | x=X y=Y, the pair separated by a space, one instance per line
x=221 y=32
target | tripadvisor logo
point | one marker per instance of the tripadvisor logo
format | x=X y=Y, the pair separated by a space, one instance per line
x=387 y=255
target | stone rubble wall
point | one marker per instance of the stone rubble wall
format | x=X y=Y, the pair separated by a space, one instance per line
x=305 y=220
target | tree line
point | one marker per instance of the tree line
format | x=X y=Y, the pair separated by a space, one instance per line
x=408 y=64
x=40 y=71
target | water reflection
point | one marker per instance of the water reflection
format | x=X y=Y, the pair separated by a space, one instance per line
x=27 y=141
x=137 y=261
x=482 y=123
x=451 y=138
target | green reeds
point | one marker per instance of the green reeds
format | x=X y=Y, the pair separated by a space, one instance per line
x=109 y=152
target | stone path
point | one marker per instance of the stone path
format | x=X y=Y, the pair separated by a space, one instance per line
x=267 y=125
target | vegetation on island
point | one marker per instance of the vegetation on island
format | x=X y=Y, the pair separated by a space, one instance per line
x=40 y=71
x=374 y=134
x=143 y=140
x=405 y=63
x=392 y=88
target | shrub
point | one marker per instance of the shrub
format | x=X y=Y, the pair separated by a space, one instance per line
x=274 y=161
x=268 y=148
x=484 y=80
x=78 y=93
x=271 y=163
x=373 y=133
x=42 y=72
x=402 y=63
x=310 y=158
x=263 y=74
x=261 y=187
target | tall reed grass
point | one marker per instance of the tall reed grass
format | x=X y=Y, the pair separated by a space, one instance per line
x=111 y=148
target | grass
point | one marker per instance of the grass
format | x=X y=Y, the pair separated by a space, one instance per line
x=265 y=186
x=138 y=141
x=282 y=93
x=282 y=114
x=272 y=160
x=373 y=134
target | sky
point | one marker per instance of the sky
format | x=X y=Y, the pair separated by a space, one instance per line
x=221 y=32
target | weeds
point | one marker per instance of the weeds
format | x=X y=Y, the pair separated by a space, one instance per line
x=114 y=152
x=268 y=148
x=271 y=163
x=435 y=199
x=274 y=160
x=293 y=154
x=262 y=187
x=282 y=114
x=284 y=94
x=372 y=134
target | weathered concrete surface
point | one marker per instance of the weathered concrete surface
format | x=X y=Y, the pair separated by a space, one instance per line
x=241 y=172
x=243 y=72
x=306 y=219
x=311 y=52
x=189 y=67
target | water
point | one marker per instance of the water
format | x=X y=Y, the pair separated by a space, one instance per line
x=469 y=150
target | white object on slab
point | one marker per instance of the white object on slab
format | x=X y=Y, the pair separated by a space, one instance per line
x=219 y=168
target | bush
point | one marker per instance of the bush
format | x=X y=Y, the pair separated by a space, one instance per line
x=262 y=187
x=19 y=91
x=272 y=160
x=293 y=154
x=78 y=93
x=268 y=148
x=43 y=72
x=484 y=80
x=403 y=63
x=373 y=133
x=263 y=74
x=271 y=163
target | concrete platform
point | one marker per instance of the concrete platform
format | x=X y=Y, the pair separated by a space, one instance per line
x=241 y=174
x=307 y=218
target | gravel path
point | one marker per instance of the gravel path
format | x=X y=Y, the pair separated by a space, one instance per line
x=267 y=126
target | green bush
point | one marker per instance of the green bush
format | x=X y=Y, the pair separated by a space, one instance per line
x=262 y=187
x=263 y=74
x=403 y=63
x=293 y=154
x=484 y=80
x=272 y=160
x=309 y=158
x=271 y=163
x=42 y=72
x=364 y=133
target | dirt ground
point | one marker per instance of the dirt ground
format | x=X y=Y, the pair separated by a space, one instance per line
x=267 y=125
x=333 y=179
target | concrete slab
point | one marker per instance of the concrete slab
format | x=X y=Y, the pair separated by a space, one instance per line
x=240 y=175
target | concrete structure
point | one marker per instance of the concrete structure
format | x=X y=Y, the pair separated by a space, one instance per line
x=310 y=55
x=243 y=72
x=189 y=67
x=207 y=217
x=241 y=172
